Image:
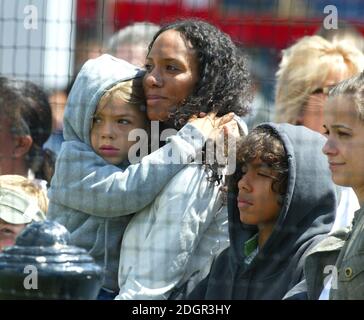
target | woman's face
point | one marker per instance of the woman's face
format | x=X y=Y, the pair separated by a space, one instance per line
x=313 y=112
x=172 y=73
x=344 y=147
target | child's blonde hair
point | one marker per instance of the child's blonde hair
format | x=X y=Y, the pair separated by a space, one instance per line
x=130 y=91
x=26 y=187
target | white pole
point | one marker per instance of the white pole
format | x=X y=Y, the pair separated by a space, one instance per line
x=60 y=43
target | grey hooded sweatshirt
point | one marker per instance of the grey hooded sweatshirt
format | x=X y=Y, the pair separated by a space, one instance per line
x=92 y=198
x=306 y=216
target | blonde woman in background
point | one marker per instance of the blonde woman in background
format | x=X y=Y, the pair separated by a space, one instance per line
x=308 y=69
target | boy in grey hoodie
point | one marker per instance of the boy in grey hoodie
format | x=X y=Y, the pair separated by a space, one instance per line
x=94 y=189
x=281 y=203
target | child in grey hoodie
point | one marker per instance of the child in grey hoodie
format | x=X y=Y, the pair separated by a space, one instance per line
x=94 y=189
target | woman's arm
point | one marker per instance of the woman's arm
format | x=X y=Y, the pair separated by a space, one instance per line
x=84 y=181
x=159 y=245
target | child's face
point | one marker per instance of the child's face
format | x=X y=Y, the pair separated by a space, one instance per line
x=8 y=233
x=111 y=126
x=344 y=147
x=257 y=202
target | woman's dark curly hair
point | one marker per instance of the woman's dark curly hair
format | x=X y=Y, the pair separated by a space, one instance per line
x=263 y=143
x=224 y=81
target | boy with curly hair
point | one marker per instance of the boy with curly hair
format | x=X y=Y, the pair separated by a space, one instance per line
x=281 y=202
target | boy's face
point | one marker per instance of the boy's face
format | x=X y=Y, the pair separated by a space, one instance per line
x=111 y=126
x=257 y=202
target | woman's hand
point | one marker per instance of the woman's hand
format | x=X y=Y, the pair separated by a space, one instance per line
x=212 y=126
x=221 y=134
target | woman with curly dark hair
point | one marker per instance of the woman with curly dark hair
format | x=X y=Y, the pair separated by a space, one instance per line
x=192 y=68
x=217 y=76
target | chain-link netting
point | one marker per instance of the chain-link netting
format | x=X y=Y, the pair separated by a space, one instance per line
x=156 y=226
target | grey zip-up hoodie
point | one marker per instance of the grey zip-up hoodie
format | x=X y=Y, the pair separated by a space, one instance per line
x=92 y=198
x=306 y=216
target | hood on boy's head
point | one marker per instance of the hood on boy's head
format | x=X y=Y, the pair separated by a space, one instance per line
x=309 y=205
x=95 y=77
